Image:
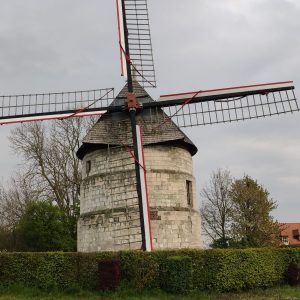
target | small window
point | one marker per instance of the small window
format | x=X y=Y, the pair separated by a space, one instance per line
x=189 y=193
x=88 y=166
x=285 y=240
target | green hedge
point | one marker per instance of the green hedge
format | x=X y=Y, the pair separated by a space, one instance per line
x=177 y=274
x=139 y=269
x=223 y=270
x=51 y=270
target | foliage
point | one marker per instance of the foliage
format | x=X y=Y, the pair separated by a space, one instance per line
x=216 y=208
x=176 y=275
x=50 y=159
x=221 y=243
x=44 y=227
x=7 y=240
x=252 y=269
x=236 y=213
x=216 y=269
x=140 y=270
x=46 y=271
x=13 y=198
x=252 y=225
x=51 y=170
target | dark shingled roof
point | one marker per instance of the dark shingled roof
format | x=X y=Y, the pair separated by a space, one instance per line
x=115 y=129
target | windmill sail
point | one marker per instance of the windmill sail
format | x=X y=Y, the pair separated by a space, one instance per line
x=229 y=104
x=47 y=106
x=135 y=14
x=124 y=178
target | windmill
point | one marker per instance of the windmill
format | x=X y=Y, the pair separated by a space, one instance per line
x=185 y=109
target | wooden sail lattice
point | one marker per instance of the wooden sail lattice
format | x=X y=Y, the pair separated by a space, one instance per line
x=32 y=107
x=139 y=42
x=233 y=109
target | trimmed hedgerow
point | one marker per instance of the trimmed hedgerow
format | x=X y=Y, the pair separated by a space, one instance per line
x=47 y=271
x=223 y=270
x=176 y=274
x=51 y=270
x=139 y=269
x=241 y=269
x=87 y=268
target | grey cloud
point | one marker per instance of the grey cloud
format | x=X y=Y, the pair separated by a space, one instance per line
x=72 y=44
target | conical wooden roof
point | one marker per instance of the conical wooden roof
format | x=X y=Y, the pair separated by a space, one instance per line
x=115 y=129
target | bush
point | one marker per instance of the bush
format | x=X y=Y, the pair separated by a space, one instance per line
x=44 y=227
x=217 y=269
x=48 y=271
x=139 y=269
x=7 y=240
x=176 y=275
x=87 y=268
x=228 y=270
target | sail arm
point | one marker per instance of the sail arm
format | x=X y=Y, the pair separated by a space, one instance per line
x=229 y=104
x=49 y=106
x=225 y=93
x=133 y=20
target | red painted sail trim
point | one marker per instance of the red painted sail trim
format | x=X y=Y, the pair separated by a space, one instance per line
x=146 y=187
x=121 y=36
x=145 y=204
x=51 y=117
x=264 y=86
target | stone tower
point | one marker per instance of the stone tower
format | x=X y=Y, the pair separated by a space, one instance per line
x=109 y=218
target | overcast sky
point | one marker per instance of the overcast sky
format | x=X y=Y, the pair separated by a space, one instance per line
x=60 y=45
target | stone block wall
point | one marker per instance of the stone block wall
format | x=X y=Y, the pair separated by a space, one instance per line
x=109 y=205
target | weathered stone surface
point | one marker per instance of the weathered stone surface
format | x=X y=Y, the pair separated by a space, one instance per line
x=109 y=212
x=109 y=206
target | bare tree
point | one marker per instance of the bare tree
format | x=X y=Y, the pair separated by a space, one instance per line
x=13 y=198
x=50 y=171
x=50 y=162
x=216 y=207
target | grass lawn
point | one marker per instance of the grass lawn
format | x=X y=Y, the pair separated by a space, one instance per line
x=17 y=293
